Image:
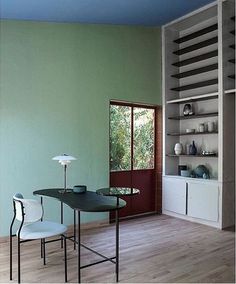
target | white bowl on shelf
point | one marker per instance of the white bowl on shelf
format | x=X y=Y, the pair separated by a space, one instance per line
x=190 y=130
x=185 y=173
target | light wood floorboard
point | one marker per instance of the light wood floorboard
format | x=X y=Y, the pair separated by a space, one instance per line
x=157 y=249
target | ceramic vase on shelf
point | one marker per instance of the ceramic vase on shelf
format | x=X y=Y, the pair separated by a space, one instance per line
x=193 y=149
x=188 y=109
x=178 y=149
x=201 y=127
x=210 y=126
x=187 y=149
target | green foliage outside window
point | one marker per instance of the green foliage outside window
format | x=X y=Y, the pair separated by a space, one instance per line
x=143 y=138
x=120 y=138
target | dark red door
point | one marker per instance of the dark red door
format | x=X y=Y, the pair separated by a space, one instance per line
x=132 y=154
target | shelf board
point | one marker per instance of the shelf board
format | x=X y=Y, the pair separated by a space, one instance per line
x=204 y=97
x=196 y=71
x=196 y=46
x=196 y=34
x=194 y=133
x=198 y=115
x=232 y=61
x=231 y=91
x=232 y=32
x=196 y=85
x=196 y=58
x=232 y=76
x=232 y=46
x=192 y=156
x=212 y=179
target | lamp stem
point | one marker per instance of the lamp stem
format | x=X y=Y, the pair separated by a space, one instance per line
x=65 y=166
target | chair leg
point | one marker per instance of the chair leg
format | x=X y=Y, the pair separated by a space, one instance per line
x=12 y=222
x=10 y=256
x=65 y=256
x=44 y=253
x=41 y=246
x=18 y=260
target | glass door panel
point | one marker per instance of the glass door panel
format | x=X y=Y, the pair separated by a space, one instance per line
x=143 y=138
x=120 y=138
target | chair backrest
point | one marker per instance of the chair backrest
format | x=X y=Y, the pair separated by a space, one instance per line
x=33 y=210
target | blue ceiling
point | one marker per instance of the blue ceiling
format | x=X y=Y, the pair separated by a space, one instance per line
x=118 y=12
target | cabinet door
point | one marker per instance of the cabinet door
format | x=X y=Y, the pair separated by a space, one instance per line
x=203 y=201
x=174 y=195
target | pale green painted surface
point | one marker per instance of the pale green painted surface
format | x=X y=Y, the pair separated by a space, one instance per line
x=55 y=86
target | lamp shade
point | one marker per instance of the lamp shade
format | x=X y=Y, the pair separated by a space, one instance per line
x=64 y=159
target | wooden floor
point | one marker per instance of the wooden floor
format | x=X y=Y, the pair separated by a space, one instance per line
x=152 y=249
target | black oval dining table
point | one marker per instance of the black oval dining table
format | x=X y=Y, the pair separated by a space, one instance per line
x=88 y=201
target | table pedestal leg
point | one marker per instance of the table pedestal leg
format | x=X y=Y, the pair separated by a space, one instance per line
x=61 y=222
x=79 y=273
x=74 y=230
x=41 y=201
x=117 y=241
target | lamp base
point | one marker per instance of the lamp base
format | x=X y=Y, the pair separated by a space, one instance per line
x=63 y=191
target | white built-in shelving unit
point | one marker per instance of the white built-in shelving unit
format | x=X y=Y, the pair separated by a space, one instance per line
x=199 y=68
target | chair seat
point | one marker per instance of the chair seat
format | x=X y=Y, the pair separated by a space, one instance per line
x=40 y=230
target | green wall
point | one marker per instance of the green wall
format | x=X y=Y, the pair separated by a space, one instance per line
x=56 y=81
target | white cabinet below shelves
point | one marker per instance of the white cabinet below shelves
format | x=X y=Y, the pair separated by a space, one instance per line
x=192 y=199
x=174 y=195
x=203 y=201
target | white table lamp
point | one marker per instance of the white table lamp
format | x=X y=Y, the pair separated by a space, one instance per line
x=64 y=160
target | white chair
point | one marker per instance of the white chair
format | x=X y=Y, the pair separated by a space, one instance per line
x=30 y=212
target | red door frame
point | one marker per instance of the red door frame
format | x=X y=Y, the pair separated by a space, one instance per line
x=122 y=178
